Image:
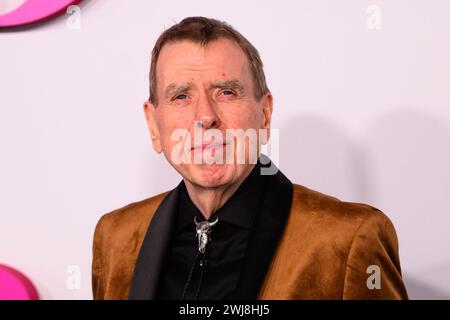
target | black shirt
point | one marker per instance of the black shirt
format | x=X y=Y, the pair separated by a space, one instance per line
x=224 y=252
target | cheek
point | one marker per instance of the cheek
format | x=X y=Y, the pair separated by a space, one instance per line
x=168 y=123
x=246 y=116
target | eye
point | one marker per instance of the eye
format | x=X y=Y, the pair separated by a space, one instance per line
x=181 y=97
x=227 y=92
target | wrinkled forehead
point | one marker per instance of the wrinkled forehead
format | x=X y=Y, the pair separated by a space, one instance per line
x=188 y=61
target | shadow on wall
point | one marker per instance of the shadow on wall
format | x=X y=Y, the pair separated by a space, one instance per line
x=401 y=164
x=420 y=290
x=320 y=155
x=410 y=158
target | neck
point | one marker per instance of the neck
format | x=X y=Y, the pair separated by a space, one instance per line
x=210 y=199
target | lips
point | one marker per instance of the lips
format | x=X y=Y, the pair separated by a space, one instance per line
x=206 y=146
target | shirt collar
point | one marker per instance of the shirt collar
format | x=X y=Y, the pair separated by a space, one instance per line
x=239 y=210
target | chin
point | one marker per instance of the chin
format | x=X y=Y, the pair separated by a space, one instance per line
x=211 y=175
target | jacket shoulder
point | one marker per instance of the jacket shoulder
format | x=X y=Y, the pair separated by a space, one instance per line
x=333 y=242
x=311 y=202
x=330 y=216
x=117 y=239
x=134 y=216
x=134 y=212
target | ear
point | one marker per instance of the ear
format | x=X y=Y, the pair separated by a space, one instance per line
x=150 y=117
x=267 y=105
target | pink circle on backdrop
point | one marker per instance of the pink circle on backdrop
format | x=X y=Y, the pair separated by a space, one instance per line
x=33 y=11
x=14 y=285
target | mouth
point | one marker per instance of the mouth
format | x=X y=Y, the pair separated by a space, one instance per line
x=207 y=146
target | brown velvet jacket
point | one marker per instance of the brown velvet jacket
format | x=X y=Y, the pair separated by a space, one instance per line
x=314 y=247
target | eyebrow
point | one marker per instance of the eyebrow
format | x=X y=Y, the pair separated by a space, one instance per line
x=234 y=84
x=177 y=88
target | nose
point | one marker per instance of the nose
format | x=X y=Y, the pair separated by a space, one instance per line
x=205 y=115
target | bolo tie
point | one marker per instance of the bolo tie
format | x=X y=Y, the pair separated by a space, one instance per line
x=203 y=233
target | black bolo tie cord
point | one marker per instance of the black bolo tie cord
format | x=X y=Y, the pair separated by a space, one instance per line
x=203 y=266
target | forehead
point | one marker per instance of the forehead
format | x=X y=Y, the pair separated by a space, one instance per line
x=186 y=59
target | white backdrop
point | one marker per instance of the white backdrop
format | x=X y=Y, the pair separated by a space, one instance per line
x=363 y=113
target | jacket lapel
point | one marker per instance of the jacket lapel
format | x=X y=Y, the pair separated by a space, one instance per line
x=266 y=233
x=154 y=248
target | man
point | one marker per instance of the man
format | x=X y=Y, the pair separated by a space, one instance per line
x=231 y=230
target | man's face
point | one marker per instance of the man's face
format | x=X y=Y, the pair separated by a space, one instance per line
x=212 y=87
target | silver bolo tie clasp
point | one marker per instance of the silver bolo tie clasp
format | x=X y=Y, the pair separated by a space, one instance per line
x=203 y=229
